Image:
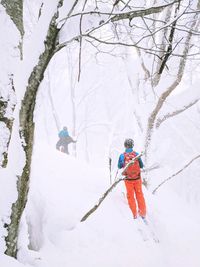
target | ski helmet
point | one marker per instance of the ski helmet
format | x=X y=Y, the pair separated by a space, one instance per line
x=65 y=128
x=129 y=143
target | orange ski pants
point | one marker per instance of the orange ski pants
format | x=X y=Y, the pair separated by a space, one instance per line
x=134 y=191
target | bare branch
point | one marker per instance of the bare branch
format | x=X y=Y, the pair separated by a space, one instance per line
x=100 y=200
x=57 y=122
x=80 y=42
x=69 y=13
x=169 y=178
x=169 y=115
x=40 y=10
x=124 y=15
x=162 y=28
x=141 y=13
x=122 y=43
x=171 y=37
x=164 y=96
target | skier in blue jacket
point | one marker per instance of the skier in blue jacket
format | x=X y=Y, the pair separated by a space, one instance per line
x=64 y=140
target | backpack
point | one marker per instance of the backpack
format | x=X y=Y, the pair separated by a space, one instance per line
x=133 y=170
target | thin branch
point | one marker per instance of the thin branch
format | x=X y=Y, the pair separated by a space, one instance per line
x=162 y=28
x=40 y=10
x=140 y=13
x=57 y=122
x=151 y=33
x=80 y=43
x=101 y=200
x=169 y=115
x=169 y=178
x=121 y=43
x=69 y=13
x=169 y=48
x=124 y=15
x=171 y=88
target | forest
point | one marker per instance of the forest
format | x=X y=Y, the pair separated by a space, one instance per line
x=107 y=70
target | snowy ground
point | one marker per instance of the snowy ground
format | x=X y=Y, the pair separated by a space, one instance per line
x=67 y=188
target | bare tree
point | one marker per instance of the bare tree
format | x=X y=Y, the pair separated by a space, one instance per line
x=168 y=91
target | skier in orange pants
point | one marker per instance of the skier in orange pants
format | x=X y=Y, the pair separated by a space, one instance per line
x=133 y=180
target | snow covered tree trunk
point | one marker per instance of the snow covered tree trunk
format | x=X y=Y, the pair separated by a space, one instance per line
x=27 y=132
x=6 y=121
x=15 y=10
x=163 y=97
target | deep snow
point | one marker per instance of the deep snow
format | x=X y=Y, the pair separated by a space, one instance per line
x=66 y=188
x=109 y=106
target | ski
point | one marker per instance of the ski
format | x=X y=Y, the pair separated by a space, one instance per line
x=142 y=230
x=150 y=230
x=143 y=234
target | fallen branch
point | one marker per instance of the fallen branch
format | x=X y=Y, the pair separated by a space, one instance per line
x=169 y=178
x=109 y=190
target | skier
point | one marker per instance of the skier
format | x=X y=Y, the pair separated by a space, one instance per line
x=64 y=140
x=133 y=181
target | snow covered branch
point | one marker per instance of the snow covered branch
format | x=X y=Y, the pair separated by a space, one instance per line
x=141 y=13
x=115 y=17
x=170 y=89
x=101 y=200
x=170 y=41
x=124 y=15
x=175 y=174
x=176 y=112
x=80 y=41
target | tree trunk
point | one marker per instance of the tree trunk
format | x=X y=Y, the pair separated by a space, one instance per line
x=15 y=10
x=27 y=133
x=6 y=121
x=167 y=93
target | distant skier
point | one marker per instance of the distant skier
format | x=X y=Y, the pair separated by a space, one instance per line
x=64 y=140
x=133 y=180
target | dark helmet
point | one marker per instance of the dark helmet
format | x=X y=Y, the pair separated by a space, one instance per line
x=129 y=143
x=65 y=128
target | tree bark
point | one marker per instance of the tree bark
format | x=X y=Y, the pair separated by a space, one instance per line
x=7 y=107
x=27 y=132
x=15 y=10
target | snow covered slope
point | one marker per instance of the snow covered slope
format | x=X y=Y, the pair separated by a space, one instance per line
x=66 y=188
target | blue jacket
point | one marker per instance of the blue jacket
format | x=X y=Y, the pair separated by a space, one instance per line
x=121 y=160
x=63 y=133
